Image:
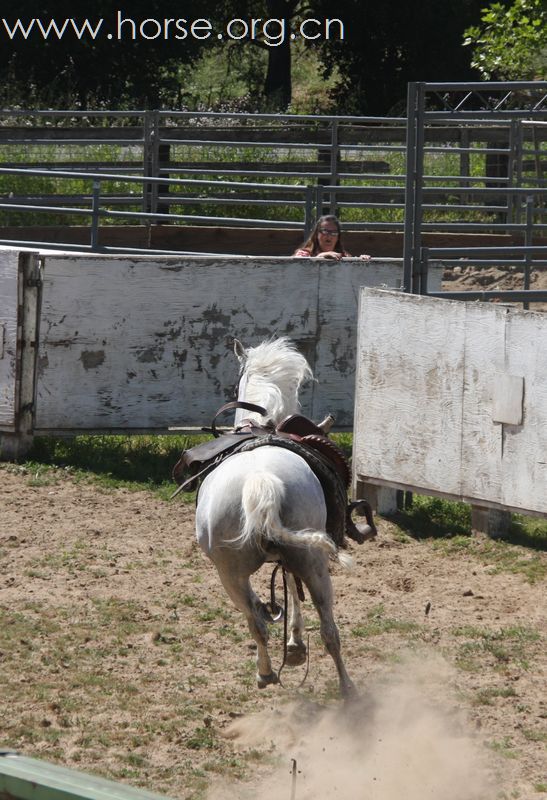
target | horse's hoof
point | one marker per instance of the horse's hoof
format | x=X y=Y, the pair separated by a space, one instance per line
x=349 y=692
x=265 y=680
x=296 y=654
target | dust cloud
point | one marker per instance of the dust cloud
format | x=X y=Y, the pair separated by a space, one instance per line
x=404 y=739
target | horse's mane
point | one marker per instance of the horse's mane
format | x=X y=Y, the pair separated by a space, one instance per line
x=274 y=372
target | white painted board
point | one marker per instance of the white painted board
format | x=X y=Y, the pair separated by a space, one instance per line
x=9 y=276
x=408 y=399
x=145 y=343
x=425 y=406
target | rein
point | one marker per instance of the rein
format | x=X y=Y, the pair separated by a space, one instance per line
x=281 y=612
x=228 y=407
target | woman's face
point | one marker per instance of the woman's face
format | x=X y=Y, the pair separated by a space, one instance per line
x=327 y=236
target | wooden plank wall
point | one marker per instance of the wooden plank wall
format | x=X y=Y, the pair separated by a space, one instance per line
x=451 y=399
x=9 y=305
x=145 y=342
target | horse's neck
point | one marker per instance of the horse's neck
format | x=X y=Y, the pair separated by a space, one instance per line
x=267 y=395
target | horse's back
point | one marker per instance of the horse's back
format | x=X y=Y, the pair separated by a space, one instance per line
x=220 y=505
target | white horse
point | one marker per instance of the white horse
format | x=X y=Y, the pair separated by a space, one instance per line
x=267 y=505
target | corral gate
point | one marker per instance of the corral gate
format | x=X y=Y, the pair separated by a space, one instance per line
x=451 y=400
x=96 y=343
x=516 y=113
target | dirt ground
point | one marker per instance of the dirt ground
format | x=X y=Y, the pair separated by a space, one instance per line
x=120 y=655
x=466 y=279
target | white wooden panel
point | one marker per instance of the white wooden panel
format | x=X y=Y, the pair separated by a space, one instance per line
x=524 y=451
x=481 y=437
x=9 y=272
x=427 y=377
x=408 y=399
x=339 y=288
x=143 y=343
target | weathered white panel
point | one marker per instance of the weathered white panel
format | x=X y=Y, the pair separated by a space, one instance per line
x=428 y=376
x=339 y=286
x=507 y=398
x=146 y=342
x=524 y=447
x=143 y=343
x=9 y=276
x=481 y=437
x=408 y=398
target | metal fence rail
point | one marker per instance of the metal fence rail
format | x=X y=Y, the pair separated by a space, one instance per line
x=512 y=200
x=357 y=164
x=96 y=211
x=23 y=778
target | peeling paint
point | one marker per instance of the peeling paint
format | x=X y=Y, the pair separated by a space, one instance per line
x=180 y=356
x=149 y=355
x=92 y=358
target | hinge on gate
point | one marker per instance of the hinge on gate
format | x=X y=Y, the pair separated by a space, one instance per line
x=27 y=407
x=33 y=283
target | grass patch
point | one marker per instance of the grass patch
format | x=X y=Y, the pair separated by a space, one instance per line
x=485 y=697
x=112 y=462
x=506 y=647
x=504 y=747
x=377 y=624
x=431 y=517
x=448 y=523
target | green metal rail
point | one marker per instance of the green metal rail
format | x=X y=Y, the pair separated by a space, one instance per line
x=23 y=778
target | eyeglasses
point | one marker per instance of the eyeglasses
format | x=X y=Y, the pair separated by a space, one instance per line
x=328 y=232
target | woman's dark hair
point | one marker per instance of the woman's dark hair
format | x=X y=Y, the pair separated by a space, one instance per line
x=313 y=242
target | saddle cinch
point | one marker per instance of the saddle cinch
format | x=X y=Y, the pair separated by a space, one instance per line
x=302 y=436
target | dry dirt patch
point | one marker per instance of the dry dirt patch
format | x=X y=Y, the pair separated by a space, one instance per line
x=120 y=655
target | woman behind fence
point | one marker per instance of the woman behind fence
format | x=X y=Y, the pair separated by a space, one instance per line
x=325 y=241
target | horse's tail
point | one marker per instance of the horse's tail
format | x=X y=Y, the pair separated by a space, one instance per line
x=262 y=498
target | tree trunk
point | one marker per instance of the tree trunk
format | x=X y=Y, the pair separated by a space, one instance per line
x=278 y=84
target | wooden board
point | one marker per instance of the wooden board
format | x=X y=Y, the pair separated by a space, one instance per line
x=408 y=399
x=9 y=304
x=146 y=343
x=429 y=373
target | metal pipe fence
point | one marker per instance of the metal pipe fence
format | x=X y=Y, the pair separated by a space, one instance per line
x=511 y=199
x=449 y=170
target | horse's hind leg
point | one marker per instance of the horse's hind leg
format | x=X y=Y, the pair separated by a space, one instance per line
x=245 y=600
x=319 y=584
x=296 y=649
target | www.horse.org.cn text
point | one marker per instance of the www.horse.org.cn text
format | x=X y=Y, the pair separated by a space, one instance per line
x=272 y=32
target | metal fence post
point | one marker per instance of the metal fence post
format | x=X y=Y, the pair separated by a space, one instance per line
x=95 y=214
x=318 y=201
x=308 y=211
x=410 y=199
x=155 y=160
x=528 y=241
x=418 y=187
x=334 y=157
x=146 y=159
x=512 y=170
x=519 y=165
x=424 y=269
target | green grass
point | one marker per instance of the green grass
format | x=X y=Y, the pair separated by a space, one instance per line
x=377 y=624
x=133 y=462
x=506 y=647
x=448 y=524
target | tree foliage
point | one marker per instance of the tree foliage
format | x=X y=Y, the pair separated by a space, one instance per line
x=511 y=42
x=391 y=43
x=92 y=72
x=385 y=45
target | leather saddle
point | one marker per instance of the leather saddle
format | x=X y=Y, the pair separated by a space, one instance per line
x=305 y=436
